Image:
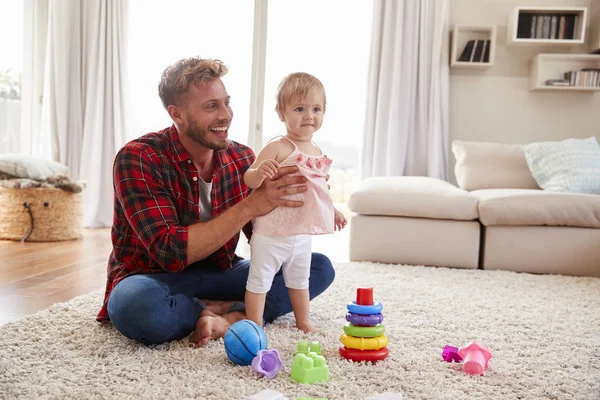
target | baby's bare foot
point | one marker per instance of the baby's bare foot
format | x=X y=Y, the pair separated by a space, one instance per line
x=306 y=327
x=209 y=327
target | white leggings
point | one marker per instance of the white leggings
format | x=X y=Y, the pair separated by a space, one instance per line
x=270 y=253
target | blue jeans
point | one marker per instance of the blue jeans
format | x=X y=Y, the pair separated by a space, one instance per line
x=156 y=308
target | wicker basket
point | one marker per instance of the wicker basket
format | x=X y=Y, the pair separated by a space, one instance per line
x=55 y=214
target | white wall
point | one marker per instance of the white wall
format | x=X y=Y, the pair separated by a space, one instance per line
x=594 y=38
x=495 y=105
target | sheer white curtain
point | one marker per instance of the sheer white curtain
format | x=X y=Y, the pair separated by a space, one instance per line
x=35 y=36
x=407 y=114
x=85 y=100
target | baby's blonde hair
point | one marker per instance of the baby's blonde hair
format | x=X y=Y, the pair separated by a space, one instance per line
x=176 y=78
x=301 y=84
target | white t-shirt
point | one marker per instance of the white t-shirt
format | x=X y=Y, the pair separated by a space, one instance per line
x=204 y=202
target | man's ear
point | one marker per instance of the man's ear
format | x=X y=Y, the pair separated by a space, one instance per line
x=175 y=113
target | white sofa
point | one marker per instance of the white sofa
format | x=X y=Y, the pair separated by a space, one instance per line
x=498 y=219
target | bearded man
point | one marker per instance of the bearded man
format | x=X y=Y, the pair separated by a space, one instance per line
x=180 y=203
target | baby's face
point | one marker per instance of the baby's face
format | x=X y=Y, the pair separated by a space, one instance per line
x=303 y=117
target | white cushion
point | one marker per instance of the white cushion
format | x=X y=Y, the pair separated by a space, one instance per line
x=543 y=250
x=483 y=165
x=416 y=241
x=537 y=207
x=24 y=166
x=412 y=196
x=572 y=165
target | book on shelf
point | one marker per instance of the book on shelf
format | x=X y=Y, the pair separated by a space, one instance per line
x=532 y=29
x=476 y=50
x=571 y=24
x=561 y=27
x=486 y=51
x=587 y=77
x=554 y=27
x=558 y=82
x=524 y=25
x=467 y=51
x=478 y=53
x=539 y=27
x=545 y=26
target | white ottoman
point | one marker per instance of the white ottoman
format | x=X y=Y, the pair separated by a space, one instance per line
x=414 y=220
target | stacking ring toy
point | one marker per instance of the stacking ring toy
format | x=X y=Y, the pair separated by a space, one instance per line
x=367 y=355
x=364 y=331
x=364 y=320
x=360 y=343
x=375 y=308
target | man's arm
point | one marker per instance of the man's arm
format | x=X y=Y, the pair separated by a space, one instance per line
x=204 y=238
x=147 y=206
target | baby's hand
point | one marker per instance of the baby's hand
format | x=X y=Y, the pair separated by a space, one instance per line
x=339 y=220
x=268 y=169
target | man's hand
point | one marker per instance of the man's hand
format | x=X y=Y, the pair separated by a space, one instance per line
x=339 y=220
x=269 y=195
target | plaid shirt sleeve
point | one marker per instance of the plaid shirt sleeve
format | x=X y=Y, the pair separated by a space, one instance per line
x=149 y=207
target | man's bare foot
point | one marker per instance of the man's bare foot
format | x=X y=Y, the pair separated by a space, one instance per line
x=210 y=326
x=218 y=307
x=306 y=327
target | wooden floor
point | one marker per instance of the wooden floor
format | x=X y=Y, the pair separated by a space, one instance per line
x=35 y=275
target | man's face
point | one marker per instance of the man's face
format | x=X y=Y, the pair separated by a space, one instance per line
x=208 y=114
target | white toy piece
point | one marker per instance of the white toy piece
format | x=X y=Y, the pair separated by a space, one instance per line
x=268 y=394
x=385 y=396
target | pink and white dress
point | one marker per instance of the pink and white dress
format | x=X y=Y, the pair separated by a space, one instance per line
x=282 y=238
x=316 y=217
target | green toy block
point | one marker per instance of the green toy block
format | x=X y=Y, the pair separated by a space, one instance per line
x=303 y=347
x=309 y=368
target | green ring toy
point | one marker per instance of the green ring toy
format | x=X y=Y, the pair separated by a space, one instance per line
x=364 y=331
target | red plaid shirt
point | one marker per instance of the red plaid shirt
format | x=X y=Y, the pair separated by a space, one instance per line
x=157 y=198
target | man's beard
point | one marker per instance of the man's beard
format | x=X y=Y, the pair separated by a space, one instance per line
x=199 y=135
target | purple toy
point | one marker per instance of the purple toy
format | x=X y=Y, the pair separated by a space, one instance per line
x=450 y=354
x=267 y=362
x=364 y=320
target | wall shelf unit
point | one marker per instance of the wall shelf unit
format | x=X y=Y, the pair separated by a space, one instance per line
x=473 y=46
x=554 y=66
x=559 y=26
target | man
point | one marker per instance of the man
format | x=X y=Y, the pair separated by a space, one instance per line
x=180 y=203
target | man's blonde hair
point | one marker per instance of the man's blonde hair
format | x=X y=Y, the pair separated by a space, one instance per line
x=301 y=84
x=176 y=78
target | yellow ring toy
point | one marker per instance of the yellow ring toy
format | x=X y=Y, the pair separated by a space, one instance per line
x=364 y=331
x=359 y=343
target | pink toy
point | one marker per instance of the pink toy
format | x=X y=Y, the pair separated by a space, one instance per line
x=450 y=354
x=475 y=358
x=267 y=362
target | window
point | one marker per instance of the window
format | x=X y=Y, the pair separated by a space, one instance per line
x=335 y=47
x=11 y=67
x=164 y=32
x=313 y=38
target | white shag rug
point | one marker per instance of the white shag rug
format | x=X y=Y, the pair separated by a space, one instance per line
x=544 y=333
